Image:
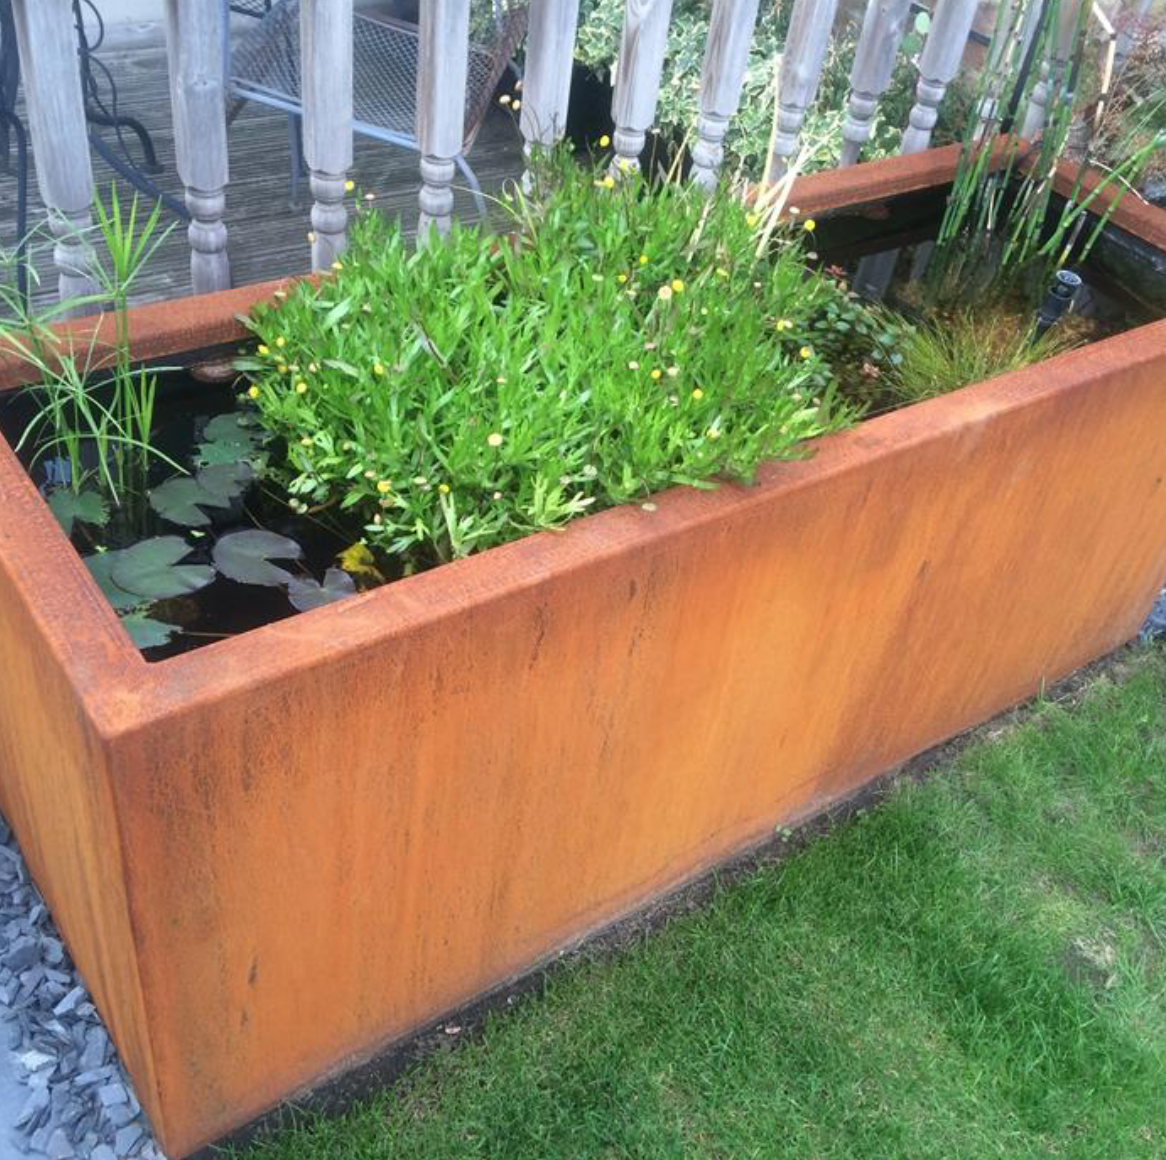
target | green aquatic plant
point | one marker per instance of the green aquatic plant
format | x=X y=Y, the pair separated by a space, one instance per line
x=969 y=346
x=1004 y=220
x=619 y=338
x=94 y=408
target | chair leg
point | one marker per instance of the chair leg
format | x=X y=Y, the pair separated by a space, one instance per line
x=13 y=123
x=295 y=148
x=472 y=181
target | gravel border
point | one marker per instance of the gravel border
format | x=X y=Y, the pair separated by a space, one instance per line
x=80 y=1101
x=1155 y=626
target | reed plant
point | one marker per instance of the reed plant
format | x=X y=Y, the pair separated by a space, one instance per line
x=1004 y=221
x=94 y=410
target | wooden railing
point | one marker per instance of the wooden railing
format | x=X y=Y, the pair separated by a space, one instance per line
x=196 y=36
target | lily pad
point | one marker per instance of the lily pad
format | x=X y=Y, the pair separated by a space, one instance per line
x=150 y=569
x=146 y=632
x=70 y=506
x=229 y=439
x=181 y=500
x=246 y=557
x=306 y=594
x=228 y=480
x=101 y=569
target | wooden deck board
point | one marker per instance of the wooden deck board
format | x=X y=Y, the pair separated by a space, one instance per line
x=268 y=236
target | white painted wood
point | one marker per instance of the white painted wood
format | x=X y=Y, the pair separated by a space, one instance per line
x=938 y=64
x=726 y=57
x=637 y=78
x=883 y=27
x=194 y=47
x=546 y=82
x=441 y=107
x=326 y=52
x=1016 y=24
x=1052 y=67
x=56 y=114
x=801 y=69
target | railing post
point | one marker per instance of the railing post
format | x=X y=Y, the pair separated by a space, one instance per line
x=1009 y=44
x=441 y=106
x=637 y=79
x=938 y=64
x=810 y=28
x=194 y=47
x=326 y=49
x=56 y=114
x=883 y=26
x=546 y=83
x=1058 y=49
x=725 y=59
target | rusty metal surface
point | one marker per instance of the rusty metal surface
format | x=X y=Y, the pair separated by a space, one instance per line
x=274 y=855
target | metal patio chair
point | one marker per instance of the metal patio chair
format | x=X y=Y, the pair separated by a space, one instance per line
x=265 y=67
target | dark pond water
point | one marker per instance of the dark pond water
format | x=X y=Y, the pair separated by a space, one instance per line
x=1125 y=286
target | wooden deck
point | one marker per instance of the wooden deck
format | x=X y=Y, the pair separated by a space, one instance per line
x=268 y=236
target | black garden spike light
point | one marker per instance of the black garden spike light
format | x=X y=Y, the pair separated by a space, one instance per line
x=1057 y=301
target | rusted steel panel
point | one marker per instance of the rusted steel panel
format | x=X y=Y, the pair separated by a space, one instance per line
x=311 y=839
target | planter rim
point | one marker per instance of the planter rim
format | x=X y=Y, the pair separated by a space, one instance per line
x=123 y=692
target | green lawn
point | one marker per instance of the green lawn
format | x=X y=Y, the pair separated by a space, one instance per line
x=973 y=969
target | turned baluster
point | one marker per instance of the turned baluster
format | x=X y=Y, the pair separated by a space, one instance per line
x=326 y=48
x=194 y=46
x=51 y=74
x=546 y=83
x=938 y=64
x=883 y=27
x=1059 y=48
x=637 y=80
x=725 y=59
x=441 y=107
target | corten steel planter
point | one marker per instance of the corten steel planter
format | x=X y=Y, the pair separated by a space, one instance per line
x=274 y=855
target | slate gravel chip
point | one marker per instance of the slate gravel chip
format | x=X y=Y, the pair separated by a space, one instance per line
x=80 y=1102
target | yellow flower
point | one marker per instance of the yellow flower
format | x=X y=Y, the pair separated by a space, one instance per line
x=504 y=99
x=698 y=393
x=384 y=487
x=516 y=106
x=751 y=220
x=784 y=324
x=643 y=259
x=657 y=374
x=494 y=439
x=713 y=433
x=281 y=341
x=253 y=392
x=349 y=186
x=609 y=182
x=281 y=367
x=306 y=441
x=664 y=293
x=806 y=352
x=621 y=278
x=443 y=488
x=378 y=369
x=809 y=225
x=337 y=265
x=604 y=141
x=678 y=285
x=301 y=388
x=263 y=349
